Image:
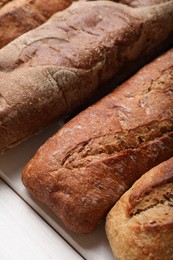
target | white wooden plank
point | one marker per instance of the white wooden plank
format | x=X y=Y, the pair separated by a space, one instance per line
x=92 y=246
x=24 y=235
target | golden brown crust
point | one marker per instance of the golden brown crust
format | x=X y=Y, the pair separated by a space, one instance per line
x=158 y=176
x=82 y=170
x=46 y=73
x=20 y=16
x=140 y=225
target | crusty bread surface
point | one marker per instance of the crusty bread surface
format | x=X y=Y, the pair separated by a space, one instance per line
x=140 y=3
x=140 y=225
x=46 y=73
x=84 y=169
x=20 y=16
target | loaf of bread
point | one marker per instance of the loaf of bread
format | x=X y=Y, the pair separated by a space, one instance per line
x=20 y=16
x=140 y=225
x=46 y=73
x=84 y=169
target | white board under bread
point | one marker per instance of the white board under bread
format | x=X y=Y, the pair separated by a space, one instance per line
x=92 y=246
x=24 y=235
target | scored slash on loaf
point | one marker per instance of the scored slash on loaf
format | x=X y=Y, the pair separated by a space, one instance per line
x=83 y=170
x=46 y=73
x=140 y=225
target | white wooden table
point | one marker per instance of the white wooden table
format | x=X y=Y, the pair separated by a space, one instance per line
x=28 y=229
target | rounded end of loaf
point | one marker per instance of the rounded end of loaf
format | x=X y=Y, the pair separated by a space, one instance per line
x=140 y=225
x=61 y=191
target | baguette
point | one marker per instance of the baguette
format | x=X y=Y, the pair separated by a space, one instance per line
x=140 y=225
x=84 y=169
x=20 y=16
x=46 y=73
